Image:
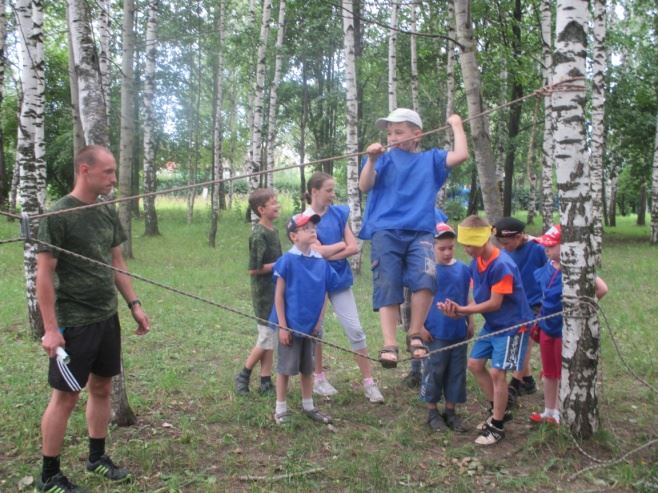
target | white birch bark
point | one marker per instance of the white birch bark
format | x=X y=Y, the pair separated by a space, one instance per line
x=549 y=120
x=414 y=58
x=104 y=55
x=31 y=147
x=91 y=102
x=479 y=126
x=274 y=92
x=3 y=172
x=599 y=66
x=218 y=127
x=451 y=58
x=353 y=197
x=532 y=174
x=78 y=135
x=255 y=160
x=392 y=57
x=654 y=191
x=151 y=52
x=127 y=128
x=580 y=339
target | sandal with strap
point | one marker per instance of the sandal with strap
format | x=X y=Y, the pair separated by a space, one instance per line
x=318 y=416
x=389 y=362
x=416 y=343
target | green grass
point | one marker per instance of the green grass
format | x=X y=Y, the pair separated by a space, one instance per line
x=195 y=435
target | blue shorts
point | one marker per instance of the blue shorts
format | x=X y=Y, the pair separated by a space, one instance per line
x=401 y=258
x=505 y=352
x=444 y=373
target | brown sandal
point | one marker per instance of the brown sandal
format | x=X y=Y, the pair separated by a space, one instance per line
x=416 y=343
x=389 y=362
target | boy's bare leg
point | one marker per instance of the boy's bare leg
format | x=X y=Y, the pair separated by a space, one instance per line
x=282 y=387
x=254 y=357
x=478 y=368
x=266 y=362
x=499 y=382
x=363 y=363
x=99 y=408
x=318 y=358
x=54 y=421
x=307 y=385
x=388 y=317
x=421 y=301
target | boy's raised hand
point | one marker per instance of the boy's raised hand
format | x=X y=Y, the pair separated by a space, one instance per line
x=375 y=150
x=454 y=119
x=449 y=308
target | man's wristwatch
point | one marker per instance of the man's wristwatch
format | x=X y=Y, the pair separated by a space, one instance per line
x=133 y=303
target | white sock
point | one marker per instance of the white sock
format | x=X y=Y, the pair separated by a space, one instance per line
x=281 y=407
x=319 y=376
x=554 y=413
x=368 y=381
x=307 y=404
x=546 y=413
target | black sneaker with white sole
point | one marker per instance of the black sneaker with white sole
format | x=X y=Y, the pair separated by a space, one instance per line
x=108 y=469
x=490 y=435
x=58 y=484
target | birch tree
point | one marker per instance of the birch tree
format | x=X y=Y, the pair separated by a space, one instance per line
x=599 y=66
x=31 y=147
x=580 y=340
x=274 y=92
x=392 y=57
x=151 y=51
x=127 y=133
x=218 y=127
x=259 y=93
x=414 y=57
x=104 y=56
x=549 y=120
x=451 y=58
x=3 y=171
x=353 y=197
x=654 y=191
x=479 y=126
x=78 y=134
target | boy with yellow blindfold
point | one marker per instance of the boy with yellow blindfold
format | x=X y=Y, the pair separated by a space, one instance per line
x=499 y=296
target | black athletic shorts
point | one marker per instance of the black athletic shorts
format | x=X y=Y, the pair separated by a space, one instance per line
x=93 y=348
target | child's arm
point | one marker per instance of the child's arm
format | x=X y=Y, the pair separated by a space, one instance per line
x=459 y=154
x=316 y=329
x=368 y=173
x=601 y=288
x=351 y=246
x=454 y=310
x=329 y=251
x=285 y=337
x=264 y=269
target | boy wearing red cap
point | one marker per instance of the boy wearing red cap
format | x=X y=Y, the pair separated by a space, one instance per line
x=549 y=278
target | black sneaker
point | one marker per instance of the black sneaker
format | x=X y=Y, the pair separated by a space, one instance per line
x=435 y=422
x=266 y=387
x=506 y=417
x=454 y=422
x=528 y=386
x=58 y=484
x=490 y=435
x=512 y=396
x=241 y=383
x=108 y=469
x=412 y=380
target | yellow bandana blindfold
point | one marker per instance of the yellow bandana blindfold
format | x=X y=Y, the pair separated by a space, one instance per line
x=473 y=236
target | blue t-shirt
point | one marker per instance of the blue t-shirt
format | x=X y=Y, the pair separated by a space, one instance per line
x=549 y=280
x=330 y=230
x=529 y=257
x=404 y=192
x=515 y=308
x=453 y=282
x=308 y=279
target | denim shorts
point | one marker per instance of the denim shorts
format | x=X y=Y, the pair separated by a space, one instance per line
x=444 y=373
x=401 y=258
x=505 y=352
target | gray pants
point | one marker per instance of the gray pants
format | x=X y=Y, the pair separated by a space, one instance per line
x=344 y=305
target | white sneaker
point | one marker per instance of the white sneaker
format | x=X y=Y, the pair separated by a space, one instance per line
x=372 y=392
x=323 y=388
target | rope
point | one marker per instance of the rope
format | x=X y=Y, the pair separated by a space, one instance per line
x=12 y=240
x=612 y=462
x=564 y=85
x=10 y=214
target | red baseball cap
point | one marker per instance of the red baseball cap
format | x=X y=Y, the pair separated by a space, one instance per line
x=299 y=220
x=551 y=237
x=443 y=230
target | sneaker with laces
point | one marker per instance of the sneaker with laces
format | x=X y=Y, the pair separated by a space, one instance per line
x=372 y=393
x=435 y=422
x=323 y=387
x=490 y=435
x=454 y=422
x=58 y=484
x=318 y=416
x=108 y=469
x=241 y=383
x=506 y=417
x=412 y=380
x=266 y=387
x=527 y=387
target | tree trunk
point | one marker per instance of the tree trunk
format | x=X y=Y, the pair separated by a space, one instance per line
x=3 y=170
x=654 y=191
x=218 y=171
x=479 y=126
x=104 y=55
x=30 y=148
x=642 y=205
x=612 y=210
x=122 y=414
x=597 y=151
x=414 y=58
x=78 y=134
x=274 y=93
x=549 y=120
x=532 y=175
x=150 y=177
x=302 y=134
x=255 y=162
x=392 y=57
x=580 y=340
x=91 y=103
x=353 y=198
x=127 y=123
x=514 y=114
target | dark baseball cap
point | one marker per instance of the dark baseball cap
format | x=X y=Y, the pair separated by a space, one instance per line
x=299 y=220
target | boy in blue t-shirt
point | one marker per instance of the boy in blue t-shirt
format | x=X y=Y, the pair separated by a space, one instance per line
x=444 y=373
x=399 y=220
x=303 y=279
x=499 y=296
x=528 y=256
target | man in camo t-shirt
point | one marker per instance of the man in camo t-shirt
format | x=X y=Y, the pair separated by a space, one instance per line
x=78 y=304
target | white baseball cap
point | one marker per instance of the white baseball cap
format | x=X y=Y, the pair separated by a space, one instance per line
x=400 y=115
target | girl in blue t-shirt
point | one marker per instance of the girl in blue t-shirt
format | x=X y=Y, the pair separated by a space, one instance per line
x=336 y=243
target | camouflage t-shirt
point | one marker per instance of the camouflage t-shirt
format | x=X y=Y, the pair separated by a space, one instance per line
x=85 y=292
x=264 y=248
